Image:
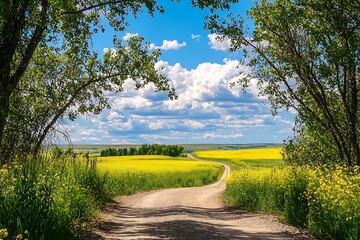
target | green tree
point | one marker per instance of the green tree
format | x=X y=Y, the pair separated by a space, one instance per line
x=49 y=71
x=306 y=56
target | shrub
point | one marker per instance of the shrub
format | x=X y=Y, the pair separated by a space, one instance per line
x=324 y=200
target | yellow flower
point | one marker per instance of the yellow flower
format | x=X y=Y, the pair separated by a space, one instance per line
x=3 y=233
x=26 y=232
x=12 y=188
x=19 y=236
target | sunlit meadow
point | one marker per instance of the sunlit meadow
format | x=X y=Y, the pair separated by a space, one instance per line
x=325 y=200
x=151 y=163
x=138 y=173
x=56 y=196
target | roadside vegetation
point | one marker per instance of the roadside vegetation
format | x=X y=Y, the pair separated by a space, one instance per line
x=55 y=196
x=303 y=55
x=324 y=200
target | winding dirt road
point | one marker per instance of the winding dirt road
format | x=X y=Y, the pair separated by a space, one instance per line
x=187 y=214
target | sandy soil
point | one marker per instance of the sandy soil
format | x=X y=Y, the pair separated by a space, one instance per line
x=187 y=213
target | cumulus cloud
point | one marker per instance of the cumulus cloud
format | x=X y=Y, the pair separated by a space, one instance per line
x=208 y=110
x=130 y=35
x=131 y=102
x=219 y=44
x=207 y=83
x=216 y=136
x=114 y=116
x=172 y=45
x=195 y=36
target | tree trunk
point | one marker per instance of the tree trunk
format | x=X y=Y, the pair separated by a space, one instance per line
x=4 y=112
x=353 y=117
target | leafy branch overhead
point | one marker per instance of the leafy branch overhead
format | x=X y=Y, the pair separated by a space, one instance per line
x=306 y=54
x=49 y=70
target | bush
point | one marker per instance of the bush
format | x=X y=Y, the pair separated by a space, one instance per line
x=324 y=200
x=54 y=197
x=45 y=198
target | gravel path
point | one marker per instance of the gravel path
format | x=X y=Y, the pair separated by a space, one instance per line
x=187 y=214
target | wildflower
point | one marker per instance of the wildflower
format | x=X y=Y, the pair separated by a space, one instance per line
x=4 y=233
x=12 y=188
x=19 y=236
x=26 y=232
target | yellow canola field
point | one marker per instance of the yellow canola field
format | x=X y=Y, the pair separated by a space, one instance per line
x=151 y=163
x=244 y=154
x=245 y=157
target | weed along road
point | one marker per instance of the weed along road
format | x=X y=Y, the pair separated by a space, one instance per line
x=186 y=213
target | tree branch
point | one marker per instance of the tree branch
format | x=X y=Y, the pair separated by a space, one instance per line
x=34 y=41
x=91 y=7
x=62 y=110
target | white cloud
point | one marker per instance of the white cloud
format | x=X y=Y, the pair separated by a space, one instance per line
x=168 y=45
x=219 y=44
x=120 y=141
x=194 y=124
x=208 y=110
x=214 y=136
x=195 y=36
x=131 y=102
x=112 y=51
x=198 y=87
x=152 y=46
x=172 y=45
x=130 y=35
x=155 y=137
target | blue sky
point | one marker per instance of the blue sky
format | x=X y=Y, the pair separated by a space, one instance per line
x=201 y=69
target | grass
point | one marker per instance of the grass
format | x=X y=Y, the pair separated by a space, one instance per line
x=324 y=200
x=237 y=159
x=54 y=197
x=139 y=173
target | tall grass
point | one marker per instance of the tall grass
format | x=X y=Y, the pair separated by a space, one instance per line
x=325 y=201
x=45 y=198
x=55 y=196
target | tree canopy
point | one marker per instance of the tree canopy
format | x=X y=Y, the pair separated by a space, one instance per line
x=49 y=70
x=306 y=56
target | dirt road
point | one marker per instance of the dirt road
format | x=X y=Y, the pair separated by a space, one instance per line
x=187 y=214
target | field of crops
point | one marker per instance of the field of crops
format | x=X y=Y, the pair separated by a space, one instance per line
x=326 y=201
x=62 y=191
x=139 y=173
x=262 y=157
x=53 y=197
x=152 y=163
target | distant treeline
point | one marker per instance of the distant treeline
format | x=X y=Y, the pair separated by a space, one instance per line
x=145 y=149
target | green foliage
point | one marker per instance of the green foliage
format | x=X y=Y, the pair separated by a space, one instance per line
x=305 y=57
x=323 y=200
x=45 y=199
x=153 y=149
x=50 y=72
x=54 y=197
